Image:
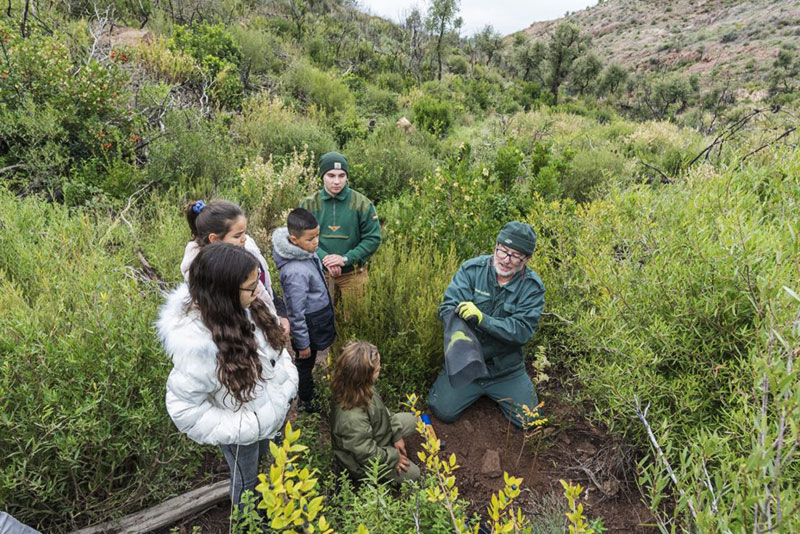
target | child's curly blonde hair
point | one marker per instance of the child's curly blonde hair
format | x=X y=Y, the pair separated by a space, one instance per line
x=354 y=374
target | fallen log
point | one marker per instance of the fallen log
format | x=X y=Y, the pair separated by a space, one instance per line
x=164 y=514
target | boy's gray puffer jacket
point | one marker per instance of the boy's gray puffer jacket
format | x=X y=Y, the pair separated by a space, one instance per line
x=304 y=287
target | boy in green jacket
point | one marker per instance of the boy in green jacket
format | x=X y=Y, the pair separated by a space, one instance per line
x=349 y=228
x=362 y=429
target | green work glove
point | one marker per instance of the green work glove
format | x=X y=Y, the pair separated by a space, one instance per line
x=468 y=310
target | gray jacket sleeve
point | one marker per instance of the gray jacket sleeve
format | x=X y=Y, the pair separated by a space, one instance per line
x=295 y=284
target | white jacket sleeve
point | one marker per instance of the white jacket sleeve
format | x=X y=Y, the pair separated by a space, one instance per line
x=189 y=403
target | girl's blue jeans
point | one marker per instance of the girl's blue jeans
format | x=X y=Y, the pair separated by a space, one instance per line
x=244 y=466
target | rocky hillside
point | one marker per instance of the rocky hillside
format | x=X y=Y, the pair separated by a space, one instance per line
x=711 y=38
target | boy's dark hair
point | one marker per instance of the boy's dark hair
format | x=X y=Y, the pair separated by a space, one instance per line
x=300 y=220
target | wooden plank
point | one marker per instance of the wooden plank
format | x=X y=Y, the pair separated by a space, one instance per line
x=164 y=514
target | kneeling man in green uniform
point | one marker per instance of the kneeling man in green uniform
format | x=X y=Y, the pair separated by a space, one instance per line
x=502 y=298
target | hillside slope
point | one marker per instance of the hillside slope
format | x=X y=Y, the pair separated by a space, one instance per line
x=726 y=39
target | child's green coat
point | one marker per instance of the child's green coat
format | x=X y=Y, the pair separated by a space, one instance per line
x=359 y=435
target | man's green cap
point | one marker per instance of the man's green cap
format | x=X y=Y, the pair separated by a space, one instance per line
x=518 y=236
x=331 y=161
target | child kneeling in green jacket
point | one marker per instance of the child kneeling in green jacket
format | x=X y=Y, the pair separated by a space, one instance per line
x=361 y=426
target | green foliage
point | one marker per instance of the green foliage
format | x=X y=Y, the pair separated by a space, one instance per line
x=55 y=114
x=399 y=315
x=676 y=294
x=374 y=505
x=162 y=62
x=84 y=428
x=277 y=131
x=383 y=163
x=261 y=50
x=378 y=101
x=197 y=156
x=507 y=164
x=203 y=41
x=268 y=191
x=227 y=89
x=311 y=85
x=461 y=205
x=432 y=114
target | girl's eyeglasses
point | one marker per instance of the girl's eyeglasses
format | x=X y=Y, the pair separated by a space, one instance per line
x=252 y=290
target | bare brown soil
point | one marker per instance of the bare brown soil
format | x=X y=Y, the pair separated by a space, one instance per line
x=571 y=448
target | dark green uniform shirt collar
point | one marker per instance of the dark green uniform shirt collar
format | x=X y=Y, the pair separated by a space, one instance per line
x=343 y=194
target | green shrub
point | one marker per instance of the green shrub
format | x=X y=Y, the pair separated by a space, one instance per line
x=382 y=164
x=207 y=40
x=85 y=436
x=591 y=170
x=675 y=298
x=399 y=315
x=310 y=85
x=507 y=162
x=378 y=101
x=458 y=205
x=432 y=114
x=165 y=63
x=277 y=131
x=197 y=155
x=261 y=50
x=267 y=193
x=227 y=89
x=55 y=114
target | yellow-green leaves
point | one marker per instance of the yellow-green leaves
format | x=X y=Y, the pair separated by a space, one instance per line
x=290 y=494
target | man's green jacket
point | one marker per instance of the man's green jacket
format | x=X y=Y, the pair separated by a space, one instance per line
x=510 y=312
x=359 y=435
x=348 y=225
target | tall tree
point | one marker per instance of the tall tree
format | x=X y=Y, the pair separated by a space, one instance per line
x=489 y=42
x=527 y=58
x=566 y=45
x=585 y=71
x=442 y=17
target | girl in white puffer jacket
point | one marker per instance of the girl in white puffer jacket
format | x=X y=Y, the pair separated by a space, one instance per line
x=232 y=380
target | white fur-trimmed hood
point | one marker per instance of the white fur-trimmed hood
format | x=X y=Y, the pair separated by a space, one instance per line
x=182 y=332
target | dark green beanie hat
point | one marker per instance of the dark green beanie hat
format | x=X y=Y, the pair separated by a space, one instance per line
x=518 y=236
x=331 y=161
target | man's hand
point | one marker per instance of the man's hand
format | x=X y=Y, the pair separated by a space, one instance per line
x=400 y=445
x=285 y=325
x=468 y=310
x=402 y=464
x=335 y=271
x=305 y=353
x=333 y=260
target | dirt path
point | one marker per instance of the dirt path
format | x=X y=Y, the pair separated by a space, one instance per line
x=571 y=448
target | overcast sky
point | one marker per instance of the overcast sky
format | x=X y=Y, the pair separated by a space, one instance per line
x=507 y=16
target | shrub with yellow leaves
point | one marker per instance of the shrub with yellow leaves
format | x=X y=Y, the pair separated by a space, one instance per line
x=290 y=495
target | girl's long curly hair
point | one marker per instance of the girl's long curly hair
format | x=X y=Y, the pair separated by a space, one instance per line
x=216 y=275
x=354 y=374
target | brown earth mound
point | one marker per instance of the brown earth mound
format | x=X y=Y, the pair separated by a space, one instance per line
x=570 y=448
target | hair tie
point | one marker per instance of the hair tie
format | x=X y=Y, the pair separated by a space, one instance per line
x=198 y=206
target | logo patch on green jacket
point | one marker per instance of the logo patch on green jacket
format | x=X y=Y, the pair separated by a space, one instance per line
x=334 y=228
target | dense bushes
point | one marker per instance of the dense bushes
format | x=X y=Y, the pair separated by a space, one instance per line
x=399 y=315
x=672 y=297
x=56 y=112
x=276 y=130
x=84 y=432
x=383 y=163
